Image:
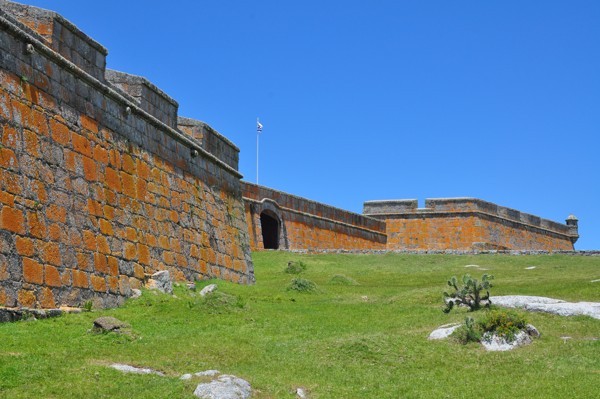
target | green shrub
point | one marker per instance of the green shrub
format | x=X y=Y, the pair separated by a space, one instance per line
x=220 y=302
x=504 y=323
x=87 y=306
x=340 y=279
x=469 y=293
x=302 y=285
x=295 y=267
x=469 y=332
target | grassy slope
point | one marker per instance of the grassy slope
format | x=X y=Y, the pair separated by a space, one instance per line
x=332 y=342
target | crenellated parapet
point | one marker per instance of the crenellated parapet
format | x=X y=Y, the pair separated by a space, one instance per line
x=149 y=97
x=211 y=140
x=58 y=34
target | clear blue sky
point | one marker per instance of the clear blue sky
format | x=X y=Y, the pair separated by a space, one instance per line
x=364 y=100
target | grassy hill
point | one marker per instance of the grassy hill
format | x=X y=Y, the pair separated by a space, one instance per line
x=361 y=334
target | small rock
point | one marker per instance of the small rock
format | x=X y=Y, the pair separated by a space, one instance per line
x=532 y=331
x=191 y=286
x=444 y=331
x=495 y=343
x=301 y=393
x=364 y=298
x=109 y=324
x=225 y=387
x=208 y=289
x=207 y=373
x=125 y=368
x=161 y=281
x=135 y=293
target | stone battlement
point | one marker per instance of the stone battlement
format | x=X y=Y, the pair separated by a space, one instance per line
x=59 y=34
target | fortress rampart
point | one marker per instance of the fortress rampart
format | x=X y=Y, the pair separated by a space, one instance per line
x=280 y=220
x=468 y=224
x=101 y=183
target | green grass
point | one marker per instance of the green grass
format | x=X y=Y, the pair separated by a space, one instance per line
x=367 y=339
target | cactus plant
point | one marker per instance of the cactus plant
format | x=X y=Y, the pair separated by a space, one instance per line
x=469 y=293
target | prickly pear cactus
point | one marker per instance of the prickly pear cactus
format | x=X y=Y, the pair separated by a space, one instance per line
x=469 y=293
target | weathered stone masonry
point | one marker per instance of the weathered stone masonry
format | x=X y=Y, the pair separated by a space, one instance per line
x=468 y=224
x=99 y=186
x=278 y=220
x=460 y=224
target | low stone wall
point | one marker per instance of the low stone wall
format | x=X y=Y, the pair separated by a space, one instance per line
x=98 y=185
x=306 y=224
x=468 y=224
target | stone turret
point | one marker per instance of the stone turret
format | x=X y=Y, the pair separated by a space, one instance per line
x=572 y=223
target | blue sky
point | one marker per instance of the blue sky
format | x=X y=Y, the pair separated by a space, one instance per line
x=498 y=100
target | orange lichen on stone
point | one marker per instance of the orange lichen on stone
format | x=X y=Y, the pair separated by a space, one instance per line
x=52 y=276
x=33 y=272
x=81 y=145
x=8 y=159
x=89 y=239
x=143 y=254
x=60 y=132
x=25 y=246
x=47 y=298
x=56 y=213
x=80 y=279
x=12 y=219
x=27 y=298
x=51 y=253
x=129 y=251
x=88 y=123
x=90 y=170
x=98 y=283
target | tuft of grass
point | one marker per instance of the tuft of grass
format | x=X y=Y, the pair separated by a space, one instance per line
x=301 y=285
x=340 y=279
x=295 y=267
x=220 y=302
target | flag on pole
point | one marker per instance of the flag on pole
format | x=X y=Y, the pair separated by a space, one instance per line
x=259 y=126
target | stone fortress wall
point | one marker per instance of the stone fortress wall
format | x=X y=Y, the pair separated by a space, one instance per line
x=277 y=220
x=101 y=183
x=468 y=224
x=460 y=224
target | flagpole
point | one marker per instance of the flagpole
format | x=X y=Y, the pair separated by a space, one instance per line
x=257 y=134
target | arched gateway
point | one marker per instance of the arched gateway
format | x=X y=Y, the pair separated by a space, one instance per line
x=270 y=226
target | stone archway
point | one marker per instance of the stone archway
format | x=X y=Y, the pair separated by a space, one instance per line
x=270 y=226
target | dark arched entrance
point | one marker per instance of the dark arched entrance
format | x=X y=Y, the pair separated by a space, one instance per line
x=270 y=231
